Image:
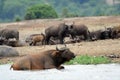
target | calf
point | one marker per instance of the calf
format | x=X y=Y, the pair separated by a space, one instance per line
x=35 y=38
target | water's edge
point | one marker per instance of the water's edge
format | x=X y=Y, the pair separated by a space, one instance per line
x=71 y=72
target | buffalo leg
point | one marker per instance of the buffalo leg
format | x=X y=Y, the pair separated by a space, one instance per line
x=47 y=40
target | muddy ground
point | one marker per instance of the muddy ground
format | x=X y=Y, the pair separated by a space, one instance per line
x=95 y=48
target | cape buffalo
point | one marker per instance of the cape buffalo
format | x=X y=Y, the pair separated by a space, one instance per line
x=34 y=38
x=79 y=30
x=99 y=35
x=9 y=33
x=6 y=51
x=11 y=42
x=59 y=31
x=115 y=32
x=2 y=39
x=45 y=60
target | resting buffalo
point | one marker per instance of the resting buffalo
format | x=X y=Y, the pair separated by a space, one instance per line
x=100 y=35
x=2 y=39
x=9 y=33
x=79 y=30
x=11 y=42
x=45 y=60
x=115 y=32
x=59 y=31
x=6 y=51
x=34 y=38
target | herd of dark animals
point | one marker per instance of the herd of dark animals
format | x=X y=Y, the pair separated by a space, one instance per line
x=57 y=34
x=53 y=35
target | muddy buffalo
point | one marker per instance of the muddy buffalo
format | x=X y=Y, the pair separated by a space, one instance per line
x=79 y=30
x=45 y=60
x=115 y=32
x=59 y=31
x=100 y=34
x=2 y=40
x=7 y=51
x=9 y=33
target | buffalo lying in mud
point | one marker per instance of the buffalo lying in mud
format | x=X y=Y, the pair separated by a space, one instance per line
x=6 y=51
x=7 y=36
x=35 y=38
x=59 y=31
x=115 y=32
x=45 y=60
x=100 y=34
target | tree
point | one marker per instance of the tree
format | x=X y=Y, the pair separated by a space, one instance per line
x=40 y=11
x=65 y=12
x=1 y=7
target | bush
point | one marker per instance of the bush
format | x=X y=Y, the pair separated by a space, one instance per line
x=17 y=18
x=40 y=11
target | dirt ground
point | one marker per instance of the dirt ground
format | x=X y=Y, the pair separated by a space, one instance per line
x=96 y=48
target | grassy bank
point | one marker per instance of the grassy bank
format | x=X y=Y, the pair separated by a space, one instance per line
x=85 y=59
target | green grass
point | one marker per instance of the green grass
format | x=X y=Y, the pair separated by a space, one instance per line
x=85 y=59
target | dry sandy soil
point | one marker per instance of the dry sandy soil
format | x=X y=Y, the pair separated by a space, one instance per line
x=95 y=48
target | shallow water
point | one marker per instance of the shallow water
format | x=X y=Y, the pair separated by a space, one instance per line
x=71 y=72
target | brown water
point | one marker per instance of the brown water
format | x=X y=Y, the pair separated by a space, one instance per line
x=71 y=72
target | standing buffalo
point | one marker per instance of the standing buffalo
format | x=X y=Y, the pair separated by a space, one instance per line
x=34 y=38
x=79 y=30
x=59 y=31
x=9 y=33
x=45 y=60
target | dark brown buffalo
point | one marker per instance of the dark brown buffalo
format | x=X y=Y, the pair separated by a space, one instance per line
x=45 y=60
x=35 y=38
x=115 y=32
x=59 y=31
x=2 y=40
x=9 y=33
x=79 y=30
x=100 y=35
x=11 y=42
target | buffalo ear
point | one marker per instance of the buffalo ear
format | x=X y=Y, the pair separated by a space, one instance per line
x=56 y=53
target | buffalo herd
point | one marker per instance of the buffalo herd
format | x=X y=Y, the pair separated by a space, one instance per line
x=57 y=34
x=53 y=35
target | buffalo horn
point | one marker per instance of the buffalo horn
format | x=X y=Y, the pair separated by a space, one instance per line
x=57 y=48
x=61 y=49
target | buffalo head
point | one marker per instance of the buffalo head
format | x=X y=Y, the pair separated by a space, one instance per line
x=65 y=53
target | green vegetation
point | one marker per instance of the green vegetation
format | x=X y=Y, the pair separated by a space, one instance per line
x=85 y=59
x=64 y=8
x=40 y=11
